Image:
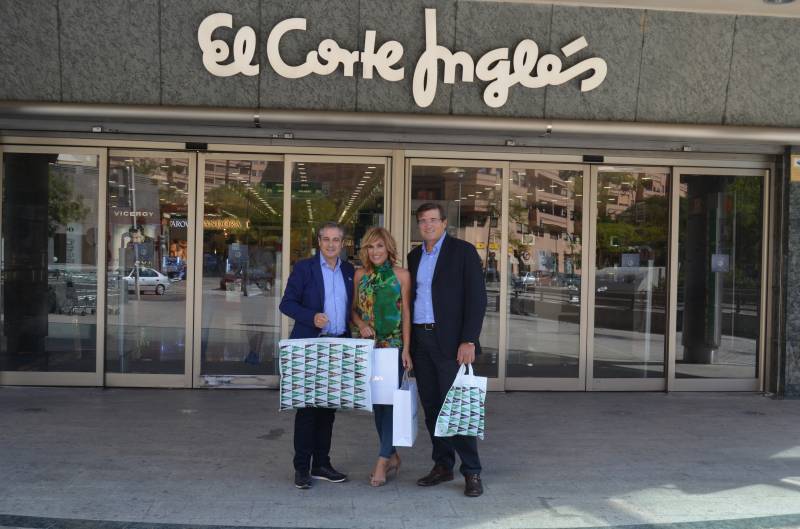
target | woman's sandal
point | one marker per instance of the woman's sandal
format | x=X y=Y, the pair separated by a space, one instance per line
x=375 y=482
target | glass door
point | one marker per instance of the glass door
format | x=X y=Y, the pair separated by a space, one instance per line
x=628 y=286
x=50 y=246
x=149 y=293
x=718 y=238
x=472 y=193
x=547 y=255
x=240 y=273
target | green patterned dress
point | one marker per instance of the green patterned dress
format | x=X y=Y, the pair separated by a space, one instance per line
x=380 y=304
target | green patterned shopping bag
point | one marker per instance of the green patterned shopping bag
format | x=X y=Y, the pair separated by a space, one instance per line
x=325 y=373
x=463 y=411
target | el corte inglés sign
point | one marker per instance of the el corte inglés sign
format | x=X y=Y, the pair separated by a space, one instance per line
x=501 y=68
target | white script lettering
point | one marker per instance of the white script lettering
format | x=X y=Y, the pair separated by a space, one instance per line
x=217 y=51
x=494 y=67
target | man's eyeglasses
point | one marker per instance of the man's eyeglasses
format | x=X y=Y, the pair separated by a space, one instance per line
x=326 y=240
x=428 y=222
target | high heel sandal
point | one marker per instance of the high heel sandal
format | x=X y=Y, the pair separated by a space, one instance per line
x=396 y=466
x=380 y=482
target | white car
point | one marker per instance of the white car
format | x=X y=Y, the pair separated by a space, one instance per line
x=150 y=280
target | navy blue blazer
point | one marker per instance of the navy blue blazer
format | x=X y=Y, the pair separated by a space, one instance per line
x=458 y=292
x=305 y=295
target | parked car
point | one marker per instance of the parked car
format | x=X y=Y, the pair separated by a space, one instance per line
x=529 y=279
x=150 y=280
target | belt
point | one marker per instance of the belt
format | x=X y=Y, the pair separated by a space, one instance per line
x=425 y=326
x=333 y=335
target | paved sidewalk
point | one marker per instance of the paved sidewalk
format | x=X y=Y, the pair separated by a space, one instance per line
x=71 y=457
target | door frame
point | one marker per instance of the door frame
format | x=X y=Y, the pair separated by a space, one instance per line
x=617 y=384
x=494 y=383
x=563 y=384
x=68 y=378
x=717 y=384
x=198 y=379
x=155 y=380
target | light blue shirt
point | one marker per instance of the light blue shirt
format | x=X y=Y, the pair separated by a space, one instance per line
x=335 y=298
x=423 y=303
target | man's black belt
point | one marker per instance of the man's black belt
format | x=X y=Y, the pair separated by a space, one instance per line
x=425 y=326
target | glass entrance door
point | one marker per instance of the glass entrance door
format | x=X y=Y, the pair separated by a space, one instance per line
x=719 y=229
x=628 y=297
x=149 y=287
x=547 y=260
x=50 y=247
x=472 y=193
x=240 y=256
x=260 y=215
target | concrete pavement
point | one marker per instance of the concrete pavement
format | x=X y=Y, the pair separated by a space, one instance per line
x=117 y=458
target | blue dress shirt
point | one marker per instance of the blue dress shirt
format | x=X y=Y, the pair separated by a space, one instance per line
x=335 y=298
x=423 y=304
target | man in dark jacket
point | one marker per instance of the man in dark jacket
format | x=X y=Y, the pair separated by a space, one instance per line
x=449 y=303
x=318 y=297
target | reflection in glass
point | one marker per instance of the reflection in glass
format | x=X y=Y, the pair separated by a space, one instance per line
x=348 y=193
x=719 y=276
x=631 y=274
x=472 y=198
x=49 y=263
x=242 y=249
x=147 y=257
x=545 y=245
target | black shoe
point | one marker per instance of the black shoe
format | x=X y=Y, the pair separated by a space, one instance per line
x=302 y=479
x=328 y=473
x=473 y=487
x=438 y=474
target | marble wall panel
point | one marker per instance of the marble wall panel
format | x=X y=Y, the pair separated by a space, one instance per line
x=29 y=59
x=184 y=79
x=110 y=51
x=614 y=35
x=765 y=73
x=484 y=26
x=335 y=19
x=404 y=22
x=685 y=65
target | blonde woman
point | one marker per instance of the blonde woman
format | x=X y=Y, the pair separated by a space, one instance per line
x=382 y=311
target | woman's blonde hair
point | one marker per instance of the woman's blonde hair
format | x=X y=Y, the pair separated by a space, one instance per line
x=372 y=235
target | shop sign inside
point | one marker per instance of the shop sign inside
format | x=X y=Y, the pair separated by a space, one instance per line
x=499 y=67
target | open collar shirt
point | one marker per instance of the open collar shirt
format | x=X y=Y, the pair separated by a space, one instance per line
x=335 y=306
x=423 y=303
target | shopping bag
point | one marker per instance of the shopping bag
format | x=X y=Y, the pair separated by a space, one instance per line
x=325 y=373
x=404 y=413
x=385 y=374
x=463 y=411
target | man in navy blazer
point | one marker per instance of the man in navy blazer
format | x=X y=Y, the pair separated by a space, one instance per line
x=449 y=303
x=318 y=297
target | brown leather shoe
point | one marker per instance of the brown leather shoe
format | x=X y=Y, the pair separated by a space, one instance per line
x=439 y=474
x=473 y=487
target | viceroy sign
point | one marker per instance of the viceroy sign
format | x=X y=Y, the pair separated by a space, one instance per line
x=499 y=67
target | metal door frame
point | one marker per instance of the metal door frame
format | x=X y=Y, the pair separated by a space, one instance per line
x=616 y=384
x=198 y=379
x=564 y=384
x=156 y=380
x=717 y=384
x=67 y=378
x=498 y=383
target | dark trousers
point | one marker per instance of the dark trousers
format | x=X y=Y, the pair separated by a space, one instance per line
x=435 y=371
x=313 y=428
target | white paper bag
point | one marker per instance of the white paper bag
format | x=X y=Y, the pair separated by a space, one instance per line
x=385 y=375
x=404 y=413
x=463 y=410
